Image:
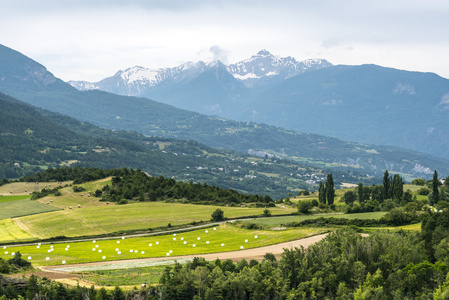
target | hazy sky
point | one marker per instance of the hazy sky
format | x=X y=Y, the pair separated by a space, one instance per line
x=91 y=40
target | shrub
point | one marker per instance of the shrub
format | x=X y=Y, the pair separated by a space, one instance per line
x=304 y=206
x=423 y=191
x=78 y=189
x=217 y=215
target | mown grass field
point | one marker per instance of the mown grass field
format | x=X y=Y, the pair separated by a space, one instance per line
x=111 y=218
x=13 y=198
x=226 y=237
x=277 y=221
x=19 y=208
x=10 y=232
x=23 y=188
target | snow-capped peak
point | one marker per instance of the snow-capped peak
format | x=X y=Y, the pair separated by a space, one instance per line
x=260 y=69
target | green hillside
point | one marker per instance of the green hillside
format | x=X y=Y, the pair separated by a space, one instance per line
x=35 y=140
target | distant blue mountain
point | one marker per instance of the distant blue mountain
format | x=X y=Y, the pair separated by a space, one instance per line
x=367 y=103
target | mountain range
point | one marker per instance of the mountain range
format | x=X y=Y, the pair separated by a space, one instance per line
x=366 y=103
x=211 y=88
x=29 y=81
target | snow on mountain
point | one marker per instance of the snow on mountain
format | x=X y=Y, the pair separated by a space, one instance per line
x=264 y=65
x=83 y=85
x=260 y=69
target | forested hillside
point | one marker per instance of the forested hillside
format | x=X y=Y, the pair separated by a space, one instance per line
x=35 y=140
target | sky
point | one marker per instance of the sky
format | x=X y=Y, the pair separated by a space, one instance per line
x=93 y=39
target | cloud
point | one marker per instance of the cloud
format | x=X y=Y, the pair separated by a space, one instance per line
x=219 y=54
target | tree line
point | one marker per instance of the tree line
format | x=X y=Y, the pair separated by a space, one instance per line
x=136 y=185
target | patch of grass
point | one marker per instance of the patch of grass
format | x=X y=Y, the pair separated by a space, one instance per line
x=413 y=227
x=10 y=232
x=211 y=241
x=13 y=198
x=277 y=221
x=132 y=276
x=19 y=208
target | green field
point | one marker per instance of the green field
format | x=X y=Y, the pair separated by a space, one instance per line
x=226 y=237
x=121 y=277
x=13 y=198
x=277 y=221
x=111 y=218
x=18 y=208
x=10 y=232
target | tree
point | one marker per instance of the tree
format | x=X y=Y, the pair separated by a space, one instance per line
x=435 y=192
x=360 y=193
x=397 y=187
x=349 y=197
x=217 y=215
x=330 y=192
x=322 y=193
x=419 y=181
x=386 y=184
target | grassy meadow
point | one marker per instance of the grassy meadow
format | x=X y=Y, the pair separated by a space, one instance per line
x=10 y=232
x=277 y=221
x=104 y=219
x=13 y=198
x=225 y=237
x=19 y=208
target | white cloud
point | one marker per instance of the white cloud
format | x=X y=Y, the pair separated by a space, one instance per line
x=93 y=39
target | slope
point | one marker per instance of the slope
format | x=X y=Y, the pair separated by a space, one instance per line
x=367 y=104
x=32 y=140
x=152 y=118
